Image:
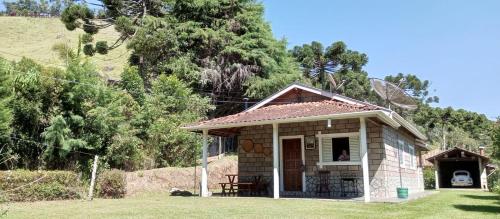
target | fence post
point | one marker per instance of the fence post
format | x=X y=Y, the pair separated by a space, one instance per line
x=92 y=180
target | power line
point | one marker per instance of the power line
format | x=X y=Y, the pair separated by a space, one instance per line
x=44 y=144
x=125 y=92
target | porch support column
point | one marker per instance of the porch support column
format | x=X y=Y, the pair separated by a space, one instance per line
x=481 y=182
x=204 y=180
x=276 y=179
x=364 y=159
x=436 y=173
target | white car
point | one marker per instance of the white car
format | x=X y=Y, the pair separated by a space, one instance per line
x=461 y=178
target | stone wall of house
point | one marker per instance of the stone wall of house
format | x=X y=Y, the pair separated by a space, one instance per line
x=410 y=177
x=253 y=164
x=384 y=174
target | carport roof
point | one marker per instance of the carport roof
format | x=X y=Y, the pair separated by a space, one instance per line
x=469 y=153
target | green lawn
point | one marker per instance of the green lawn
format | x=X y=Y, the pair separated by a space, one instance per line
x=446 y=204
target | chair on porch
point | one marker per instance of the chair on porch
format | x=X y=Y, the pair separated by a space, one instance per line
x=259 y=185
x=348 y=185
x=323 y=186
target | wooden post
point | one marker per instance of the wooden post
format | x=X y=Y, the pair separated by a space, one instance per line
x=436 y=173
x=364 y=159
x=483 y=183
x=276 y=179
x=204 y=176
x=220 y=148
x=320 y=149
x=92 y=180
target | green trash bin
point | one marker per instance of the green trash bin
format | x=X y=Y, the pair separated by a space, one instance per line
x=402 y=193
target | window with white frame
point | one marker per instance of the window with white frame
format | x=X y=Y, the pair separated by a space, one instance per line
x=343 y=147
x=401 y=145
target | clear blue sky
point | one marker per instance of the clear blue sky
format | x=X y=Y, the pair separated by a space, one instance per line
x=454 y=44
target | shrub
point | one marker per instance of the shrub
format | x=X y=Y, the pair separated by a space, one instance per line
x=88 y=49
x=101 y=47
x=494 y=182
x=429 y=178
x=24 y=185
x=111 y=184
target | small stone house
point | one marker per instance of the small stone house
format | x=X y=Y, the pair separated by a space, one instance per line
x=299 y=134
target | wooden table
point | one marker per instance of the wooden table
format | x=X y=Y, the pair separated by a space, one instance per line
x=232 y=184
x=235 y=187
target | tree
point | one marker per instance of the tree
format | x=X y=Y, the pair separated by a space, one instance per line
x=170 y=105
x=5 y=95
x=55 y=8
x=448 y=127
x=59 y=142
x=132 y=82
x=418 y=89
x=345 y=65
x=496 y=140
x=43 y=7
x=223 y=47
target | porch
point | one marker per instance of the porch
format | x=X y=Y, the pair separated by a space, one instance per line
x=291 y=160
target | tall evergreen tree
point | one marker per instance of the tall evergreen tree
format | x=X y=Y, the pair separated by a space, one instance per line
x=223 y=47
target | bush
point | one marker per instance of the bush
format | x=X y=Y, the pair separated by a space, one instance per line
x=101 y=47
x=494 y=182
x=429 y=178
x=111 y=184
x=24 y=185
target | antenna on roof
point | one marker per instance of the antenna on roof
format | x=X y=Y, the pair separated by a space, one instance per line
x=333 y=84
x=393 y=94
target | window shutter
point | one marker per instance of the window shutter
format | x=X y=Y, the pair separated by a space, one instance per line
x=401 y=145
x=354 y=148
x=327 y=149
x=412 y=156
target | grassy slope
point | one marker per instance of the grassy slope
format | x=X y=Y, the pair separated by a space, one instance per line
x=446 y=204
x=34 y=38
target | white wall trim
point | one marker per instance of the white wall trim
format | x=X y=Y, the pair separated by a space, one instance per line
x=276 y=95
x=364 y=158
x=302 y=149
x=339 y=163
x=338 y=135
x=335 y=135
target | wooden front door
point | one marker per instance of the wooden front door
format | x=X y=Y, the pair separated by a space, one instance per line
x=292 y=163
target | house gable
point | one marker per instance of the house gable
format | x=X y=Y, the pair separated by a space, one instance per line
x=299 y=93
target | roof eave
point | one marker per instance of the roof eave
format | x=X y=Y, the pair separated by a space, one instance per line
x=430 y=159
x=408 y=126
x=382 y=115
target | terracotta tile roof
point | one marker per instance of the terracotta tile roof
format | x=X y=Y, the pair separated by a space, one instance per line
x=442 y=153
x=429 y=154
x=287 y=111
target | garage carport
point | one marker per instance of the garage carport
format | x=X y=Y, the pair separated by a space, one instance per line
x=446 y=162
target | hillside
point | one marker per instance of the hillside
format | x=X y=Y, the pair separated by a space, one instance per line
x=163 y=179
x=34 y=38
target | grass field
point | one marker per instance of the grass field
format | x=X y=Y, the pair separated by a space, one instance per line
x=34 y=38
x=445 y=204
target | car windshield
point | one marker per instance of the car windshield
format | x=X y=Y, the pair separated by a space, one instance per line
x=461 y=174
